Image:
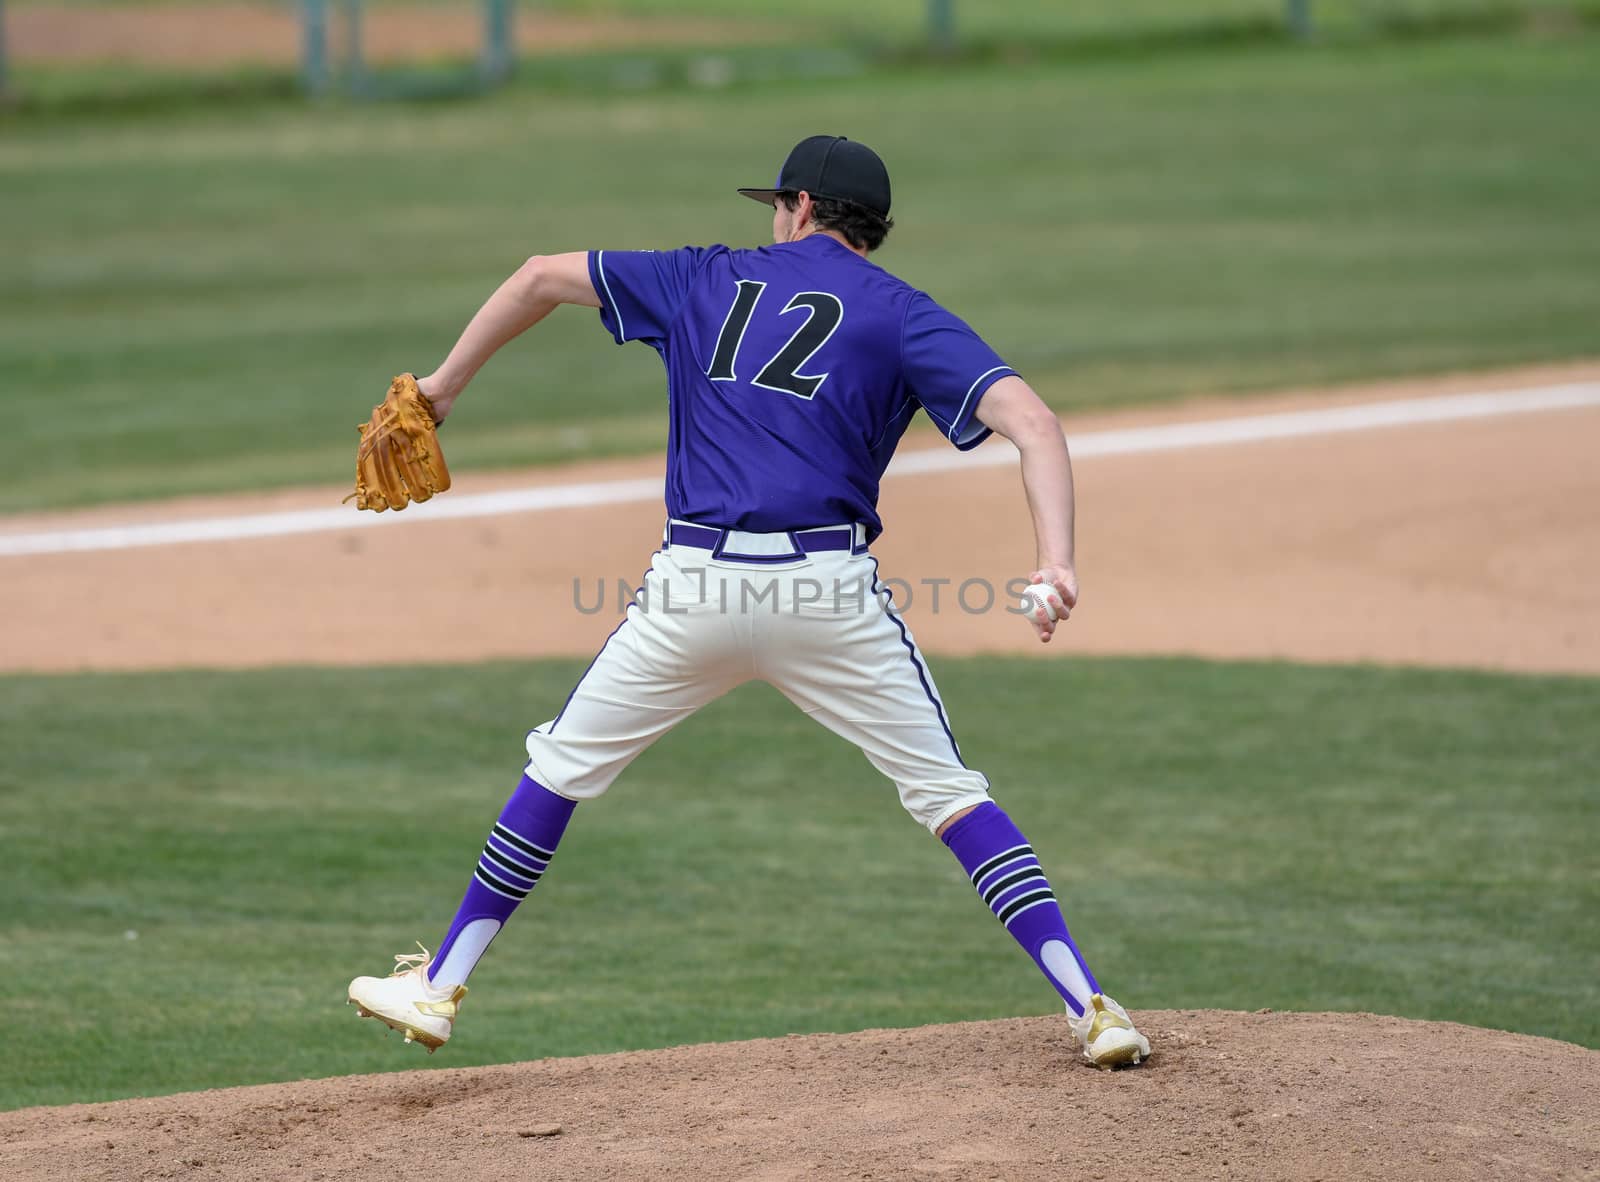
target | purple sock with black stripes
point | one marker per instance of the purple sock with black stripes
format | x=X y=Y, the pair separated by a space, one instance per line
x=1007 y=874
x=514 y=858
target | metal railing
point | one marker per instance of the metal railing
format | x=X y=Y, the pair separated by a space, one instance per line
x=334 y=55
x=1298 y=15
x=496 y=58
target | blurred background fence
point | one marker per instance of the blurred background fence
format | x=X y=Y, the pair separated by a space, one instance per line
x=69 y=50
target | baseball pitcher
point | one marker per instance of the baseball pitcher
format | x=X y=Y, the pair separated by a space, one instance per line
x=792 y=372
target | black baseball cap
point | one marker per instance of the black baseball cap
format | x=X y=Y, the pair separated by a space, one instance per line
x=833 y=167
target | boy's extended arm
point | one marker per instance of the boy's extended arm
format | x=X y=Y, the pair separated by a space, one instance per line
x=1011 y=408
x=538 y=287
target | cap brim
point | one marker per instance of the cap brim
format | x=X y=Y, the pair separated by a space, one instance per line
x=765 y=196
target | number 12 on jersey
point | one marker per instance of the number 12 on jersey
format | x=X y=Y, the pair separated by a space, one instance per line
x=823 y=311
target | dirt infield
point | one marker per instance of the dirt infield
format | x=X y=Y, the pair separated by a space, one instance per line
x=241 y=33
x=1457 y=543
x=1285 y=1097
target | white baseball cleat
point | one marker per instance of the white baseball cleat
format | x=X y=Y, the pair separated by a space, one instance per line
x=1107 y=1036
x=408 y=1002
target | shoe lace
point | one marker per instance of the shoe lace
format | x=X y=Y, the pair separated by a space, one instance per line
x=410 y=962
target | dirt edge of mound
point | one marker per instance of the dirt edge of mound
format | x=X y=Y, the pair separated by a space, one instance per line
x=1289 y=1096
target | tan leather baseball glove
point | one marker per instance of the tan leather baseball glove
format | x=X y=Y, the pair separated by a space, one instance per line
x=399 y=460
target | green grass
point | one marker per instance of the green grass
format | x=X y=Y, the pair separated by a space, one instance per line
x=1417 y=843
x=211 y=300
x=1028 y=20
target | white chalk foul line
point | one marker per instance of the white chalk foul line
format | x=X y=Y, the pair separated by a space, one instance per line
x=1132 y=441
x=1286 y=425
x=311 y=521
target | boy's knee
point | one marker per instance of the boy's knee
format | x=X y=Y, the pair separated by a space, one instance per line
x=935 y=805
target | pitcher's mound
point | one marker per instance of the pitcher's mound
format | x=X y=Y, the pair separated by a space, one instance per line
x=1225 y=1096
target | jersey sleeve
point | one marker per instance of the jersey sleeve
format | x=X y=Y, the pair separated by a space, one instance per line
x=641 y=290
x=948 y=367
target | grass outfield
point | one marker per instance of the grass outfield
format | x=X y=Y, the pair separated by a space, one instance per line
x=1013 y=20
x=211 y=301
x=1409 y=842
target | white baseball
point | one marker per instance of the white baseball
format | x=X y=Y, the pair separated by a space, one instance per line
x=1037 y=596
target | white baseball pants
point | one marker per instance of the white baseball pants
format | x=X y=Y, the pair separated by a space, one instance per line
x=818 y=626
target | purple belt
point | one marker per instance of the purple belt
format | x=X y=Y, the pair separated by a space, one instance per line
x=723 y=543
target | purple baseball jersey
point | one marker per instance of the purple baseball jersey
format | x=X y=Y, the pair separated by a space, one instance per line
x=792 y=372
